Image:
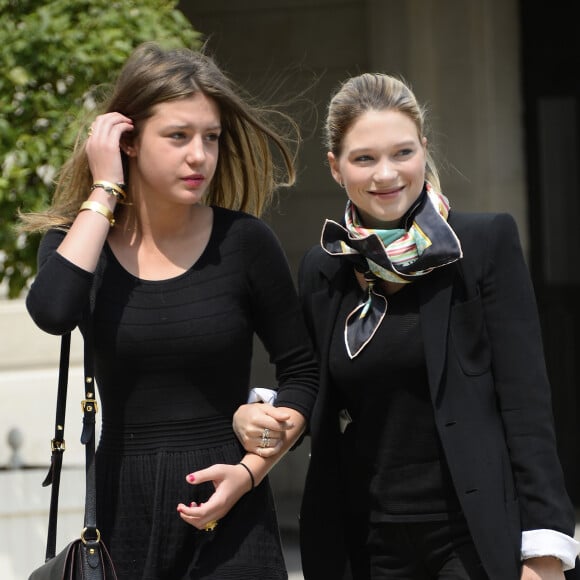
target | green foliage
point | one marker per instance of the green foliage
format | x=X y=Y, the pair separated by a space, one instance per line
x=53 y=54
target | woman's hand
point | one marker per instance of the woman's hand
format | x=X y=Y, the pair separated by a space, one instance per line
x=231 y=482
x=542 y=568
x=103 y=147
x=261 y=428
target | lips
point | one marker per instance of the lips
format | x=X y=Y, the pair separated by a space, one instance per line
x=194 y=180
x=387 y=192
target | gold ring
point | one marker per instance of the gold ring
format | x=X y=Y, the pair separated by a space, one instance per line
x=210 y=526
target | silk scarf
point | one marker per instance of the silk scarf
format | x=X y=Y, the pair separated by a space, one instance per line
x=425 y=241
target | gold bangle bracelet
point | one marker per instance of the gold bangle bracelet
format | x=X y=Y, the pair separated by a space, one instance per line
x=99 y=208
x=115 y=189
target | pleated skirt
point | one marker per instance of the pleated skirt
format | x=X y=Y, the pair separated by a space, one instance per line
x=141 y=472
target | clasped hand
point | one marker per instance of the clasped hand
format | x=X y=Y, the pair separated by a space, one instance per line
x=230 y=484
x=231 y=481
x=262 y=428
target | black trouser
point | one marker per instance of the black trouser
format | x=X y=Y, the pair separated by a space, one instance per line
x=441 y=550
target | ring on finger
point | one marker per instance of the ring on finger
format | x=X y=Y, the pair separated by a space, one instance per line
x=265 y=438
x=210 y=526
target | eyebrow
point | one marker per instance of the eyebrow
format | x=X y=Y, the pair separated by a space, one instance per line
x=217 y=127
x=407 y=143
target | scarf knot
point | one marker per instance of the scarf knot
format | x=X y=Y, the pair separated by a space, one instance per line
x=425 y=242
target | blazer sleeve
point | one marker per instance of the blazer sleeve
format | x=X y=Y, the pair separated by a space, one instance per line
x=521 y=381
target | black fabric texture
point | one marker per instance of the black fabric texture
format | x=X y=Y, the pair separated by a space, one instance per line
x=173 y=363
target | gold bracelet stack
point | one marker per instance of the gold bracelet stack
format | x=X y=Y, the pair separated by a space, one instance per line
x=98 y=208
x=115 y=189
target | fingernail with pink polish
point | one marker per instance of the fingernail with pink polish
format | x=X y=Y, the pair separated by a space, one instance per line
x=190 y=477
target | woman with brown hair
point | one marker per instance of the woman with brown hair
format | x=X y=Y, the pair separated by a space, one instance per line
x=154 y=216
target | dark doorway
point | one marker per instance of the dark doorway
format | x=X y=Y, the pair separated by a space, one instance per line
x=551 y=89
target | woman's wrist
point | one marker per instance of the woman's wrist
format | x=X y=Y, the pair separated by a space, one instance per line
x=102 y=202
x=250 y=474
x=114 y=189
x=101 y=196
x=99 y=208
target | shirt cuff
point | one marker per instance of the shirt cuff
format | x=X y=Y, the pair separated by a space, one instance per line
x=261 y=395
x=538 y=543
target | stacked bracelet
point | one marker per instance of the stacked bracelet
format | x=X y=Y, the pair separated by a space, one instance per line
x=99 y=208
x=252 y=480
x=115 y=189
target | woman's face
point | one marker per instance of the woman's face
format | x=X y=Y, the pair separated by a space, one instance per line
x=381 y=166
x=176 y=153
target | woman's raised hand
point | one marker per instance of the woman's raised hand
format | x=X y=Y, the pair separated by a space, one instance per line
x=103 y=146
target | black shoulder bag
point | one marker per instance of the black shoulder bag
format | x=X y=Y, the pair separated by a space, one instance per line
x=86 y=557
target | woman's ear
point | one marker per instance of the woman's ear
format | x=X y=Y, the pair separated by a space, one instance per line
x=128 y=146
x=333 y=163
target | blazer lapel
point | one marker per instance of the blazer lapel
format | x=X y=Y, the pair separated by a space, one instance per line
x=435 y=302
x=325 y=313
x=324 y=305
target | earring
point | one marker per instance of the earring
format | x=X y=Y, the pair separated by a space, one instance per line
x=341 y=183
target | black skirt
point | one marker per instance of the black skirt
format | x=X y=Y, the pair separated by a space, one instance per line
x=141 y=472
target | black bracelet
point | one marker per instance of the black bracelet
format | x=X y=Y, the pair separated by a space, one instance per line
x=249 y=473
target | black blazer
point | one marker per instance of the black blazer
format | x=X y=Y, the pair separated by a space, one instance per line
x=489 y=390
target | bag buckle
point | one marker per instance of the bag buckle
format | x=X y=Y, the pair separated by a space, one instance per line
x=57 y=445
x=89 y=406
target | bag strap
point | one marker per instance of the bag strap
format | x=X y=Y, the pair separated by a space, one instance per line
x=89 y=405
x=90 y=534
x=57 y=446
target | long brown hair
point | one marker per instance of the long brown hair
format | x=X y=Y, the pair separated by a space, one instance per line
x=247 y=173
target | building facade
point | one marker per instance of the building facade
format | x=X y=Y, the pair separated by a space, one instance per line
x=500 y=81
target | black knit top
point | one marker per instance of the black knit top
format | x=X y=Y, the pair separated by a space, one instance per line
x=173 y=362
x=393 y=439
x=182 y=348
